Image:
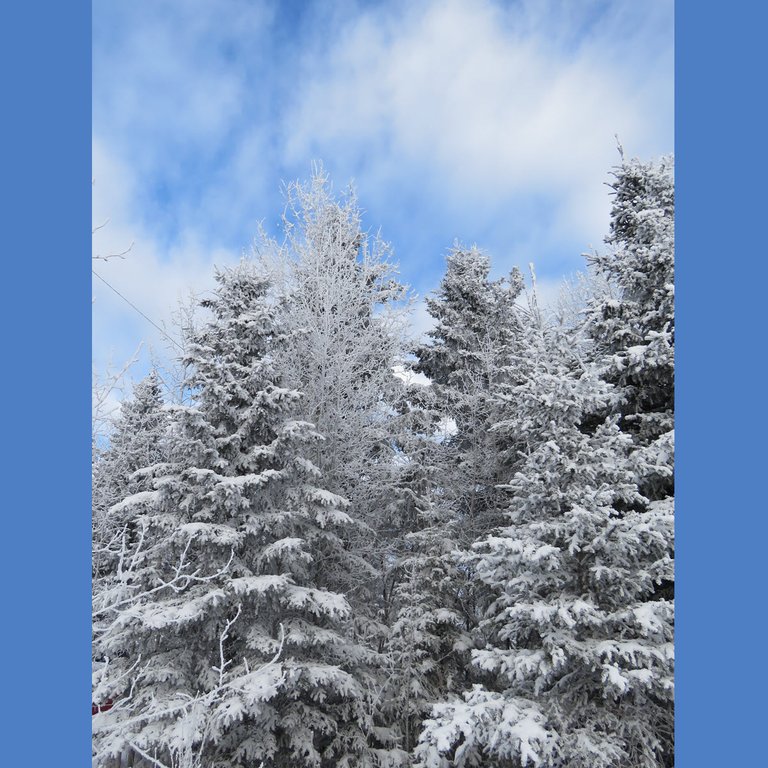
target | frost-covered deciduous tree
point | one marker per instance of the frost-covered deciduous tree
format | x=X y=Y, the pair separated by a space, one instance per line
x=228 y=648
x=345 y=315
x=577 y=293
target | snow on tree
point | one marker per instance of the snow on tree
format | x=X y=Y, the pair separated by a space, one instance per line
x=635 y=332
x=476 y=325
x=466 y=360
x=230 y=649
x=576 y=294
x=580 y=645
x=451 y=474
x=428 y=639
x=580 y=628
x=311 y=569
x=138 y=440
x=345 y=312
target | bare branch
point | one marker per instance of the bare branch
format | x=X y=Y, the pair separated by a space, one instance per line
x=101 y=226
x=120 y=255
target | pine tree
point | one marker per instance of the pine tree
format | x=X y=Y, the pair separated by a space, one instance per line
x=580 y=629
x=138 y=440
x=635 y=333
x=232 y=650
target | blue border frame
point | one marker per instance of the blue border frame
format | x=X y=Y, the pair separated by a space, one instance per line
x=721 y=423
x=721 y=177
x=46 y=65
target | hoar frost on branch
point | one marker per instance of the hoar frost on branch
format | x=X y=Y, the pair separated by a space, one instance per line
x=298 y=565
x=578 y=619
x=346 y=320
x=239 y=502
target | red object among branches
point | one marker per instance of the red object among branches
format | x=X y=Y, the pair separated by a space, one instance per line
x=96 y=708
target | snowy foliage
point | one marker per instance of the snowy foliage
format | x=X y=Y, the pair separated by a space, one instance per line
x=299 y=564
x=139 y=439
x=483 y=727
x=579 y=625
x=235 y=539
x=636 y=332
x=345 y=319
x=466 y=360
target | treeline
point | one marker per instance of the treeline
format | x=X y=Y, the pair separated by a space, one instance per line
x=310 y=557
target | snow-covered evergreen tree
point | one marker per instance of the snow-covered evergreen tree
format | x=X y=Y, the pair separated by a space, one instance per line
x=428 y=640
x=580 y=629
x=579 y=642
x=138 y=440
x=453 y=465
x=475 y=331
x=635 y=333
x=231 y=650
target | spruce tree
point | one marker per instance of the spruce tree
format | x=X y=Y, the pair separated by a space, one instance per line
x=634 y=333
x=452 y=469
x=231 y=651
x=465 y=360
x=138 y=440
x=427 y=644
x=580 y=647
x=580 y=628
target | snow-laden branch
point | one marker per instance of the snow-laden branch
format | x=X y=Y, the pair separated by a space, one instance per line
x=178 y=583
x=189 y=755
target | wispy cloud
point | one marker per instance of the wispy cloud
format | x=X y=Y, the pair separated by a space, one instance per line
x=491 y=122
x=492 y=108
x=152 y=277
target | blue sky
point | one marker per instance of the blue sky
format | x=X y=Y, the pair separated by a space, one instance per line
x=488 y=122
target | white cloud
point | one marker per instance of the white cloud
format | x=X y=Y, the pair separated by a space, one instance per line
x=151 y=276
x=421 y=320
x=169 y=72
x=182 y=94
x=488 y=103
x=478 y=120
